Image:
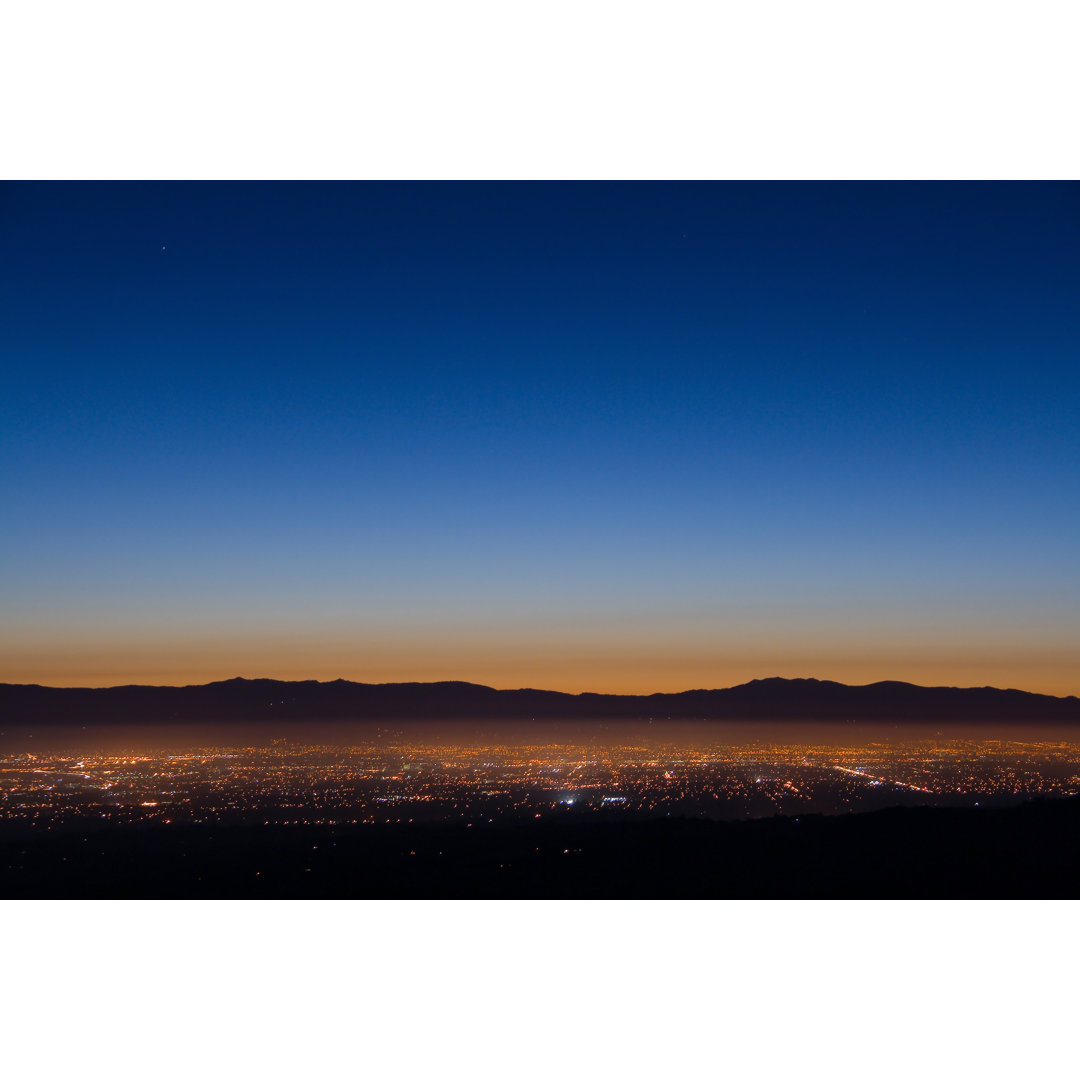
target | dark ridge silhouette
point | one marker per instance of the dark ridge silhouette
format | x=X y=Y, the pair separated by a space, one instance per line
x=772 y=699
x=1028 y=851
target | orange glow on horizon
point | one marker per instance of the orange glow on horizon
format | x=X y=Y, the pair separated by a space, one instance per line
x=619 y=655
x=634 y=676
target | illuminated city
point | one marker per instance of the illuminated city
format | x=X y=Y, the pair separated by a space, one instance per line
x=394 y=778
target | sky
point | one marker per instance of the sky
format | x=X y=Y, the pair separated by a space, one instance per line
x=614 y=437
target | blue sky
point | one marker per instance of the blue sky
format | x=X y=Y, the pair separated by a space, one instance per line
x=574 y=435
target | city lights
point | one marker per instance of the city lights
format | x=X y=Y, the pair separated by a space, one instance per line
x=413 y=780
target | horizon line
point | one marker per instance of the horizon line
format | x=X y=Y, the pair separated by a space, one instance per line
x=519 y=689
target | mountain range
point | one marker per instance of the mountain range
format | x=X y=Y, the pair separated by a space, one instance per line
x=760 y=699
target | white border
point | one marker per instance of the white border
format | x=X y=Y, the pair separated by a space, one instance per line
x=569 y=88
x=538 y=990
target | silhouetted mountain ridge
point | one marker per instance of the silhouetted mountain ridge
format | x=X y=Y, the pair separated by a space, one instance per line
x=765 y=699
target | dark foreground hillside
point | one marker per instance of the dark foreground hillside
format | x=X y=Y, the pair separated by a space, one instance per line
x=1030 y=851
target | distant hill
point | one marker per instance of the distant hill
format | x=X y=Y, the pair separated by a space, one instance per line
x=761 y=699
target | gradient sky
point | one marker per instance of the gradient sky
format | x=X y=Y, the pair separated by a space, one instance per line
x=615 y=437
